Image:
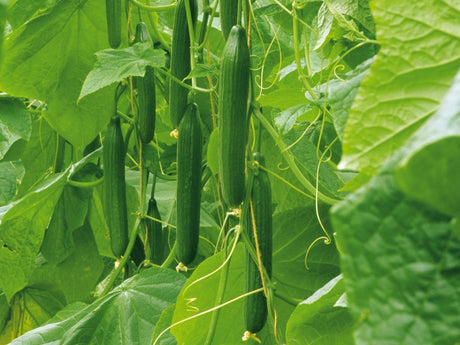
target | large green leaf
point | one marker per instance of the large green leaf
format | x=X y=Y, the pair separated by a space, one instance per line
x=30 y=308
x=15 y=123
x=429 y=171
x=10 y=174
x=400 y=264
x=22 y=227
x=77 y=275
x=126 y=316
x=322 y=318
x=418 y=59
x=48 y=58
x=39 y=154
x=113 y=65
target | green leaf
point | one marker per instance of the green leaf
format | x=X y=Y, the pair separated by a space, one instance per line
x=341 y=94
x=322 y=318
x=200 y=296
x=22 y=10
x=416 y=64
x=48 y=59
x=39 y=154
x=4 y=310
x=15 y=123
x=22 y=227
x=400 y=265
x=290 y=249
x=10 y=174
x=127 y=315
x=114 y=65
x=429 y=170
x=30 y=308
x=77 y=274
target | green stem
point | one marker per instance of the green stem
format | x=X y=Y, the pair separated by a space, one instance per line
x=290 y=160
x=298 y=62
x=171 y=257
x=191 y=32
x=158 y=8
x=124 y=258
x=153 y=18
x=80 y=184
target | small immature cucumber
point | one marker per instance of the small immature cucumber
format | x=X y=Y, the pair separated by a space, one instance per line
x=145 y=92
x=154 y=240
x=113 y=15
x=189 y=146
x=232 y=120
x=255 y=308
x=115 y=186
x=180 y=59
x=228 y=15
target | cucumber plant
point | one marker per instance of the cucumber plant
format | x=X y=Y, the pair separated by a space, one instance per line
x=189 y=146
x=232 y=121
x=257 y=224
x=180 y=59
x=145 y=92
x=228 y=15
x=113 y=15
x=115 y=186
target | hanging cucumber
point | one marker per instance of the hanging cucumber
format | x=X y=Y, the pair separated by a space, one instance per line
x=115 y=186
x=228 y=15
x=189 y=146
x=154 y=241
x=232 y=121
x=113 y=15
x=180 y=59
x=145 y=92
x=260 y=213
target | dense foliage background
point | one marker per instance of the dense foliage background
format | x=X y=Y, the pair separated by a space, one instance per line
x=356 y=108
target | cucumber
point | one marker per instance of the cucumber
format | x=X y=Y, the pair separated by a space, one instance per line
x=232 y=120
x=113 y=15
x=180 y=60
x=228 y=15
x=255 y=306
x=154 y=241
x=115 y=186
x=189 y=146
x=145 y=92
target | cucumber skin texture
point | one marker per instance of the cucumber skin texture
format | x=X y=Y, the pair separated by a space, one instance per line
x=228 y=15
x=154 y=241
x=180 y=60
x=232 y=120
x=255 y=307
x=115 y=186
x=145 y=92
x=189 y=146
x=113 y=15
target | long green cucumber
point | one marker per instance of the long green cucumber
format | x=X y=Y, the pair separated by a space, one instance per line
x=115 y=186
x=228 y=15
x=145 y=92
x=180 y=59
x=154 y=241
x=232 y=120
x=260 y=213
x=113 y=15
x=189 y=146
